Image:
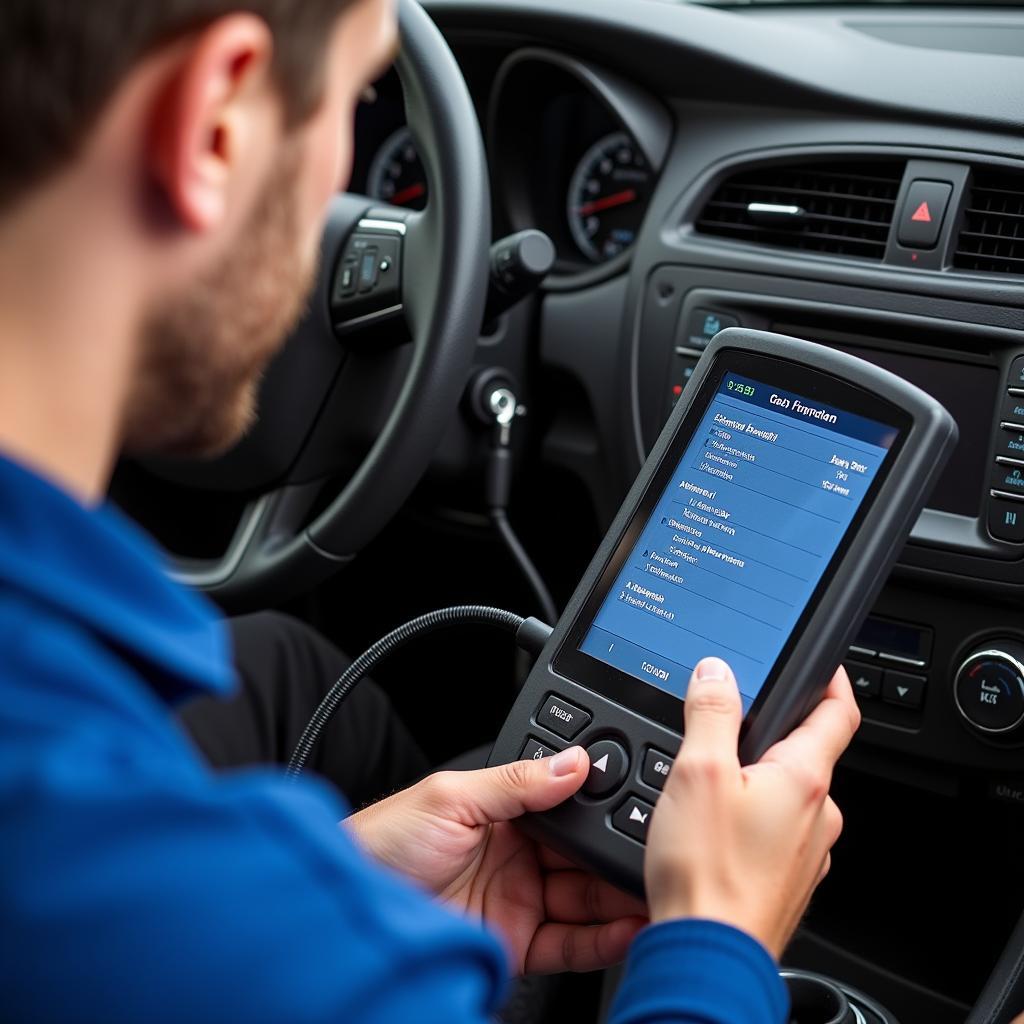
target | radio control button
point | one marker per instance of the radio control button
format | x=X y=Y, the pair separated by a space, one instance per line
x=656 y=768
x=1016 y=377
x=903 y=689
x=1006 y=520
x=609 y=764
x=1012 y=410
x=989 y=688
x=1010 y=444
x=865 y=679
x=561 y=717
x=1008 y=480
x=633 y=818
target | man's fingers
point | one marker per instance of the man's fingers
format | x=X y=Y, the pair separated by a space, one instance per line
x=555 y=861
x=571 y=947
x=575 y=897
x=508 y=791
x=826 y=732
x=713 y=712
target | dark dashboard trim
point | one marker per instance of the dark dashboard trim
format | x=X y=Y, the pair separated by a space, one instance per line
x=809 y=59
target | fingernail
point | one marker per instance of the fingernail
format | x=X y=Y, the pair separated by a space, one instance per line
x=564 y=763
x=712 y=668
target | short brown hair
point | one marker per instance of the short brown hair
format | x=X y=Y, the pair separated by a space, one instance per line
x=62 y=60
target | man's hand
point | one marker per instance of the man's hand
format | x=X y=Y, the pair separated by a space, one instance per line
x=747 y=846
x=453 y=834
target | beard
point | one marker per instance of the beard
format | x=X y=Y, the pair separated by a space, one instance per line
x=203 y=354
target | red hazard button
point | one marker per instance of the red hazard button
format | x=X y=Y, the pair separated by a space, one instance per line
x=923 y=214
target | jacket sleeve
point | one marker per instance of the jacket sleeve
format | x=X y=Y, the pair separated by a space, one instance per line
x=699 y=972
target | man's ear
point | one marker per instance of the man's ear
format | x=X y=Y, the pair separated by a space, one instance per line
x=213 y=118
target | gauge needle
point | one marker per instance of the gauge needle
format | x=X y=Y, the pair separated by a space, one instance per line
x=407 y=195
x=606 y=202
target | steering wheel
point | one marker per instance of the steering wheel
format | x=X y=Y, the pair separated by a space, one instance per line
x=358 y=396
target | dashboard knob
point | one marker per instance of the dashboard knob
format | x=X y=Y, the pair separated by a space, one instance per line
x=989 y=687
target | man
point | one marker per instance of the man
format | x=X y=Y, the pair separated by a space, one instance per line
x=165 y=174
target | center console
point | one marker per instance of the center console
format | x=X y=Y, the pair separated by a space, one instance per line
x=933 y=788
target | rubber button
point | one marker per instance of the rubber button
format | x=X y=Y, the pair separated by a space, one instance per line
x=535 y=750
x=561 y=717
x=609 y=765
x=633 y=818
x=656 y=768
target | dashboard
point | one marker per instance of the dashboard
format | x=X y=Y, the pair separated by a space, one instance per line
x=576 y=154
x=853 y=176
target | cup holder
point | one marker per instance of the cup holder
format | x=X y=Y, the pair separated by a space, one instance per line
x=815 y=1000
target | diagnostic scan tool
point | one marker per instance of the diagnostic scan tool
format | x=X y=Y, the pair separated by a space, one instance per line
x=760 y=530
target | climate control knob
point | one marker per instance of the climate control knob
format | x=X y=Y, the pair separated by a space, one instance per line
x=989 y=687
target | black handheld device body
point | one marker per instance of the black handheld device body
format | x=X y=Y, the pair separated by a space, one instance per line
x=760 y=530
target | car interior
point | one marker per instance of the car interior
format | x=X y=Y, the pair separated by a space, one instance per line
x=555 y=205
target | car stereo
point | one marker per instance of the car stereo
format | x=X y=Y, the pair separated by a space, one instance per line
x=759 y=530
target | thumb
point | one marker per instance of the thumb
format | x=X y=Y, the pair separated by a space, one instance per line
x=713 y=711
x=508 y=791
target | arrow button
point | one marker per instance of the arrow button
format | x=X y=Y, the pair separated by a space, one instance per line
x=633 y=818
x=609 y=764
x=865 y=679
x=904 y=689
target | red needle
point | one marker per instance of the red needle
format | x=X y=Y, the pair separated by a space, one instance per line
x=606 y=202
x=407 y=195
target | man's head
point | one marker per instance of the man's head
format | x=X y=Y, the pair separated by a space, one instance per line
x=211 y=134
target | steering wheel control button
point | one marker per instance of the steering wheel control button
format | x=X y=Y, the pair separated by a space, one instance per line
x=367 y=283
x=903 y=689
x=989 y=688
x=702 y=325
x=609 y=764
x=865 y=679
x=534 y=750
x=633 y=818
x=656 y=768
x=1006 y=520
x=923 y=212
x=561 y=717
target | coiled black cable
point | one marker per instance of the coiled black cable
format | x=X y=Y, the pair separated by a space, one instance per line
x=532 y=636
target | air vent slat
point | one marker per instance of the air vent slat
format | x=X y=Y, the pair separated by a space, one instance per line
x=991 y=238
x=848 y=208
x=742 y=208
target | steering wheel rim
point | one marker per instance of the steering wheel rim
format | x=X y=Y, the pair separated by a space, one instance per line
x=443 y=292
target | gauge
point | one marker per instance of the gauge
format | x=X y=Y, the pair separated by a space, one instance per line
x=607 y=197
x=396 y=174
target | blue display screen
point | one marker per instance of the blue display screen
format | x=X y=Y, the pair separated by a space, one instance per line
x=740 y=537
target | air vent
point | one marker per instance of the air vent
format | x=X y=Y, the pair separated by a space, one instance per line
x=992 y=236
x=842 y=209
